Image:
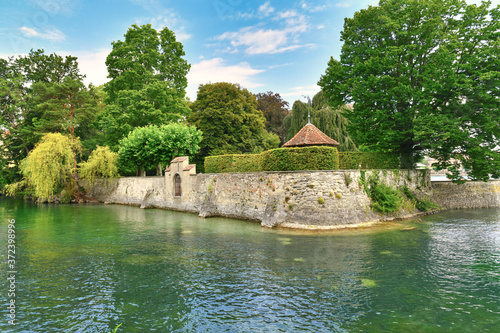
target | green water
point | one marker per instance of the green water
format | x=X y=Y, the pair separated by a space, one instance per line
x=89 y=268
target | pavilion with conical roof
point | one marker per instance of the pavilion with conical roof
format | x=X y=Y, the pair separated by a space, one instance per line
x=310 y=135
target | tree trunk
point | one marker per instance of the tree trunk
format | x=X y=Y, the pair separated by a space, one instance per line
x=140 y=172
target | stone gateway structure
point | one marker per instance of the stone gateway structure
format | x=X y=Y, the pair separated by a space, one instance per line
x=297 y=199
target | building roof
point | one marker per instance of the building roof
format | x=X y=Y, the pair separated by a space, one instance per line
x=179 y=159
x=310 y=135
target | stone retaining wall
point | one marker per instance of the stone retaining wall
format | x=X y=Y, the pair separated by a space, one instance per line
x=468 y=195
x=302 y=199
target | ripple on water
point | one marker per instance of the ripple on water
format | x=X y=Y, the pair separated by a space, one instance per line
x=160 y=271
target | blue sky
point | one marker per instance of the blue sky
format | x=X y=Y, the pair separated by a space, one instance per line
x=267 y=45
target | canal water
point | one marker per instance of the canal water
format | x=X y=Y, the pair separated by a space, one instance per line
x=88 y=268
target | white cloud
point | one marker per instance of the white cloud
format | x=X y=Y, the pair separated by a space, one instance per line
x=281 y=65
x=93 y=65
x=266 y=9
x=215 y=70
x=49 y=33
x=301 y=91
x=313 y=9
x=257 y=40
x=343 y=4
x=169 y=20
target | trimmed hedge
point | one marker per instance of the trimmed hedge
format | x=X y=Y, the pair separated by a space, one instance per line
x=365 y=160
x=281 y=159
x=233 y=163
x=302 y=158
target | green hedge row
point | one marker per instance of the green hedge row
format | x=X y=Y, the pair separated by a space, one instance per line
x=303 y=158
x=233 y=163
x=365 y=160
x=281 y=159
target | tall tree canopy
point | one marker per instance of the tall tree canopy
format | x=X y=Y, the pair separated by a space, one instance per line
x=146 y=56
x=275 y=109
x=230 y=121
x=424 y=76
x=42 y=93
x=148 y=82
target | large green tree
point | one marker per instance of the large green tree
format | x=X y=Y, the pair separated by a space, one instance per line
x=146 y=56
x=230 y=121
x=148 y=82
x=155 y=104
x=424 y=76
x=18 y=79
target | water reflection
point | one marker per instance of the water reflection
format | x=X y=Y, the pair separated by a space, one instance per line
x=88 y=268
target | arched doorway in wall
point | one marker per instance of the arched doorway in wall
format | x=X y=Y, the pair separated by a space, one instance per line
x=177 y=185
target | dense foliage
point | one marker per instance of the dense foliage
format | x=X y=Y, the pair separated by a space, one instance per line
x=146 y=56
x=280 y=159
x=255 y=162
x=42 y=93
x=233 y=163
x=102 y=163
x=303 y=158
x=424 y=76
x=50 y=165
x=368 y=160
x=148 y=82
x=275 y=109
x=154 y=146
x=230 y=121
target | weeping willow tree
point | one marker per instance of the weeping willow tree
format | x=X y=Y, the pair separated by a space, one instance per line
x=101 y=163
x=296 y=119
x=332 y=122
x=49 y=166
x=329 y=120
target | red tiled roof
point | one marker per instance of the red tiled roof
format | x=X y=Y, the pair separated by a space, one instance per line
x=310 y=135
x=189 y=167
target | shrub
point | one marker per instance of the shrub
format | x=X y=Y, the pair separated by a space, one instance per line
x=233 y=163
x=368 y=160
x=385 y=199
x=303 y=158
x=281 y=159
x=422 y=205
x=101 y=163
